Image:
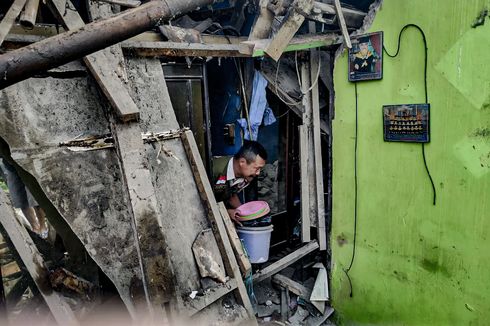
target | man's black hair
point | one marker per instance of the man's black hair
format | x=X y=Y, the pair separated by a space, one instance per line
x=250 y=150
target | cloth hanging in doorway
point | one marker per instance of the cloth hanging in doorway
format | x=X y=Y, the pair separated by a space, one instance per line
x=259 y=108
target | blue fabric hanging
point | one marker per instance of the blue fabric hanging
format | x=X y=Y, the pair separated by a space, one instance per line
x=259 y=108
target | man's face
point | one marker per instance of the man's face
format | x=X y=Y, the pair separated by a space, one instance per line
x=363 y=48
x=250 y=171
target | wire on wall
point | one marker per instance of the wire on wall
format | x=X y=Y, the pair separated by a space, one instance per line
x=347 y=270
x=425 y=90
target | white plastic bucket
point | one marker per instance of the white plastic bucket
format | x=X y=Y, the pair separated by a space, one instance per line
x=256 y=241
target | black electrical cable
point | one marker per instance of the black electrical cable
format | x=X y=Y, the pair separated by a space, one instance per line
x=346 y=271
x=426 y=93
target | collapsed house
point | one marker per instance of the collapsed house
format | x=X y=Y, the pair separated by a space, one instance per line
x=115 y=114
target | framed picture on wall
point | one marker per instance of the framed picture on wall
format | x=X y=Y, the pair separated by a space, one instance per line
x=406 y=123
x=366 y=57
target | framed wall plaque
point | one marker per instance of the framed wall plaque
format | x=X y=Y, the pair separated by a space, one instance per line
x=406 y=123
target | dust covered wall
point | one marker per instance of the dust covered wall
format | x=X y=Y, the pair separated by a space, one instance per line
x=415 y=263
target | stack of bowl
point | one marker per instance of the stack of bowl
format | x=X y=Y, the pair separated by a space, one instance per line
x=256 y=229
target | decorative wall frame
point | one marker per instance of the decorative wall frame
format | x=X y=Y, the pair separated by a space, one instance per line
x=407 y=123
x=366 y=57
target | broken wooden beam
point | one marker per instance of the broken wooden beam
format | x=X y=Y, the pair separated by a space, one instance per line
x=9 y=18
x=315 y=111
x=285 y=262
x=28 y=17
x=257 y=48
x=293 y=21
x=34 y=262
x=262 y=26
x=353 y=17
x=45 y=31
x=293 y=286
x=23 y=63
x=123 y=3
x=175 y=49
x=305 y=186
x=209 y=297
x=236 y=243
x=10 y=269
x=343 y=26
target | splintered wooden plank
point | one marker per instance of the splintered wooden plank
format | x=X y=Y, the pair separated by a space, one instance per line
x=210 y=296
x=292 y=24
x=263 y=24
x=10 y=269
x=28 y=17
x=101 y=68
x=124 y=3
x=293 y=286
x=305 y=187
x=217 y=223
x=9 y=19
x=174 y=49
x=258 y=48
x=34 y=262
x=315 y=107
x=308 y=122
x=281 y=40
x=285 y=262
x=343 y=26
x=240 y=255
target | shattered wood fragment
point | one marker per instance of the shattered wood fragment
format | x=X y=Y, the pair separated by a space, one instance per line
x=262 y=26
x=236 y=243
x=107 y=141
x=28 y=17
x=9 y=18
x=202 y=300
x=285 y=262
x=150 y=137
x=63 y=280
x=352 y=17
x=34 y=263
x=343 y=26
x=293 y=21
x=258 y=48
x=175 y=49
x=89 y=143
x=11 y=269
x=179 y=34
x=293 y=286
x=311 y=201
x=315 y=110
x=305 y=187
x=123 y=3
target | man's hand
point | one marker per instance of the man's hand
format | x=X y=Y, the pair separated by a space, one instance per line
x=233 y=216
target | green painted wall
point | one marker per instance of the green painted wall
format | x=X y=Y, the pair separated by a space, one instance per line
x=417 y=264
